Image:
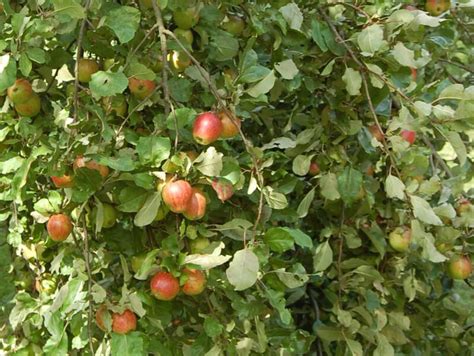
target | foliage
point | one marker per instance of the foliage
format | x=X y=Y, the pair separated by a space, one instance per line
x=296 y=263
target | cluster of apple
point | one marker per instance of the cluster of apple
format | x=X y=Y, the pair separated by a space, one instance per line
x=180 y=197
x=165 y=287
x=26 y=101
x=208 y=127
x=408 y=135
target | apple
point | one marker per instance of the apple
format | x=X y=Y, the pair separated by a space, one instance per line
x=207 y=128
x=413 y=73
x=30 y=107
x=460 y=267
x=80 y=162
x=234 y=25
x=192 y=155
x=199 y=244
x=101 y=314
x=141 y=88
x=177 y=195
x=184 y=35
x=464 y=205
x=137 y=262
x=64 y=181
x=229 y=128
x=400 y=239
x=187 y=18
x=314 y=169
x=196 y=208
x=109 y=215
x=115 y=104
x=195 y=282
x=376 y=132
x=437 y=7
x=179 y=60
x=164 y=286
x=124 y=323
x=59 y=227
x=145 y=4
x=408 y=135
x=20 y=92
x=223 y=188
x=85 y=68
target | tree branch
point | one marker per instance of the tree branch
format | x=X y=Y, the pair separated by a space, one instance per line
x=437 y=156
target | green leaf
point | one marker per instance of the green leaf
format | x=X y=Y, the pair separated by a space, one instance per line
x=426 y=241
x=274 y=199
x=394 y=187
x=153 y=150
x=132 y=199
x=403 y=55
x=127 y=345
x=243 y=270
x=223 y=46
x=212 y=327
x=25 y=65
x=349 y=184
x=293 y=15
x=316 y=33
x=459 y=147
x=264 y=86
x=323 y=257
x=353 y=81
x=329 y=333
x=209 y=162
x=71 y=8
x=181 y=89
x=287 y=69
x=377 y=236
x=107 y=84
x=305 y=204
x=279 y=240
x=370 y=39
x=36 y=54
x=139 y=71
x=355 y=347
x=124 y=21
x=423 y=211
x=148 y=211
x=7 y=71
x=148 y=265
x=254 y=74
x=86 y=183
x=383 y=346
x=301 y=165
x=329 y=187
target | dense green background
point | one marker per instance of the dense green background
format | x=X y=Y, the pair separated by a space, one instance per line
x=310 y=268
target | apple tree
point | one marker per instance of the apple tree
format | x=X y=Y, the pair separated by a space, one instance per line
x=234 y=177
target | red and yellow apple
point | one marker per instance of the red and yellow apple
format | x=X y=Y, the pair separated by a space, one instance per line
x=164 y=286
x=207 y=128
x=59 y=227
x=177 y=195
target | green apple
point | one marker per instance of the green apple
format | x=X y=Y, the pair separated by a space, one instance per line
x=400 y=239
x=187 y=18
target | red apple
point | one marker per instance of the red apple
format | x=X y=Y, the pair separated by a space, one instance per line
x=99 y=317
x=314 y=169
x=141 y=88
x=199 y=244
x=196 y=208
x=408 y=135
x=376 y=132
x=20 y=92
x=31 y=107
x=64 y=181
x=207 y=128
x=400 y=239
x=164 y=286
x=464 y=205
x=223 y=188
x=460 y=267
x=124 y=323
x=177 y=195
x=59 y=227
x=80 y=162
x=229 y=128
x=413 y=73
x=437 y=7
x=195 y=282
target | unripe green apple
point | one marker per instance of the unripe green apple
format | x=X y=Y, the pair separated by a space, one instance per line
x=179 y=60
x=109 y=215
x=400 y=239
x=184 y=35
x=234 y=25
x=29 y=108
x=86 y=67
x=199 y=244
x=20 y=92
x=460 y=267
x=185 y=19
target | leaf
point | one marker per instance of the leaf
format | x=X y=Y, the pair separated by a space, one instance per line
x=274 y=199
x=293 y=15
x=7 y=71
x=148 y=265
x=353 y=81
x=423 y=211
x=153 y=150
x=349 y=184
x=223 y=46
x=279 y=240
x=243 y=270
x=370 y=39
x=148 y=211
x=209 y=162
x=107 y=84
x=316 y=34
x=264 y=86
x=139 y=71
x=426 y=241
x=132 y=199
x=329 y=187
x=208 y=261
x=124 y=21
x=301 y=165
x=458 y=146
x=305 y=204
x=378 y=238
x=287 y=69
x=403 y=55
x=394 y=187
x=72 y=8
x=355 y=347
x=323 y=257
x=254 y=74
x=383 y=346
x=127 y=345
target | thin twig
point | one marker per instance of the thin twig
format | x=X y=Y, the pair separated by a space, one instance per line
x=248 y=145
x=437 y=156
x=80 y=37
x=339 y=257
x=314 y=298
x=459 y=65
x=134 y=51
x=164 y=55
